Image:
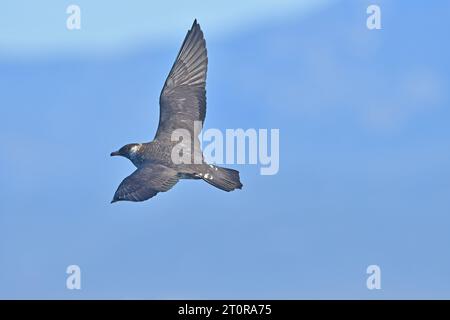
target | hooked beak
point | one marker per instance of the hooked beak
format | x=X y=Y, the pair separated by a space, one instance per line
x=115 y=153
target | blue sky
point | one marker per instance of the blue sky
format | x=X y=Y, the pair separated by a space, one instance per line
x=39 y=27
x=364 y=140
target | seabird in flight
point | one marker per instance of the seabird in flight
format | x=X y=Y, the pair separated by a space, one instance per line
x=182 y=104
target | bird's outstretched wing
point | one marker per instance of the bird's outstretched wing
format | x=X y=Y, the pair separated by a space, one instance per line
x=183 y=97
x=145 y=183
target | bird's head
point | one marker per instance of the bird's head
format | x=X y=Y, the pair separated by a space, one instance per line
x=128 y=150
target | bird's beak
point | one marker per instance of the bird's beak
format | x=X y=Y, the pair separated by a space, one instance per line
x=115 y=153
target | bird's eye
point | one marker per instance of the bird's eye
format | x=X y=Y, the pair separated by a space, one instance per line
x=133 y=149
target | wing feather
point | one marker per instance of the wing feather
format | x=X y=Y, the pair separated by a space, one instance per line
x=145 y=183
x=183 y=97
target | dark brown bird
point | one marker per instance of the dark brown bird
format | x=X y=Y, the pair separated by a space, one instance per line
x=182 y=105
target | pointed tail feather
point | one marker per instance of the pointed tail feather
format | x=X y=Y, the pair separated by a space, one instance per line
x=223 y=178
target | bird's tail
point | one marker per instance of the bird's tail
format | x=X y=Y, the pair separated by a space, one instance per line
x=223 y=178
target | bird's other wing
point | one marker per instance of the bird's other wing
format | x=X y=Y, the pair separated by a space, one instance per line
x=183 y=97
x=145 y=183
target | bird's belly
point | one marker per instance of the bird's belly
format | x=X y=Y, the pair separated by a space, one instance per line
x=187 y=176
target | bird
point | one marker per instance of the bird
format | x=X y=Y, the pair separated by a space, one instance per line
x=182 y=105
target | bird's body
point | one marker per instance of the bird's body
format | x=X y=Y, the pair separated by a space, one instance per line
x=155 y=152
x=182 y=108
